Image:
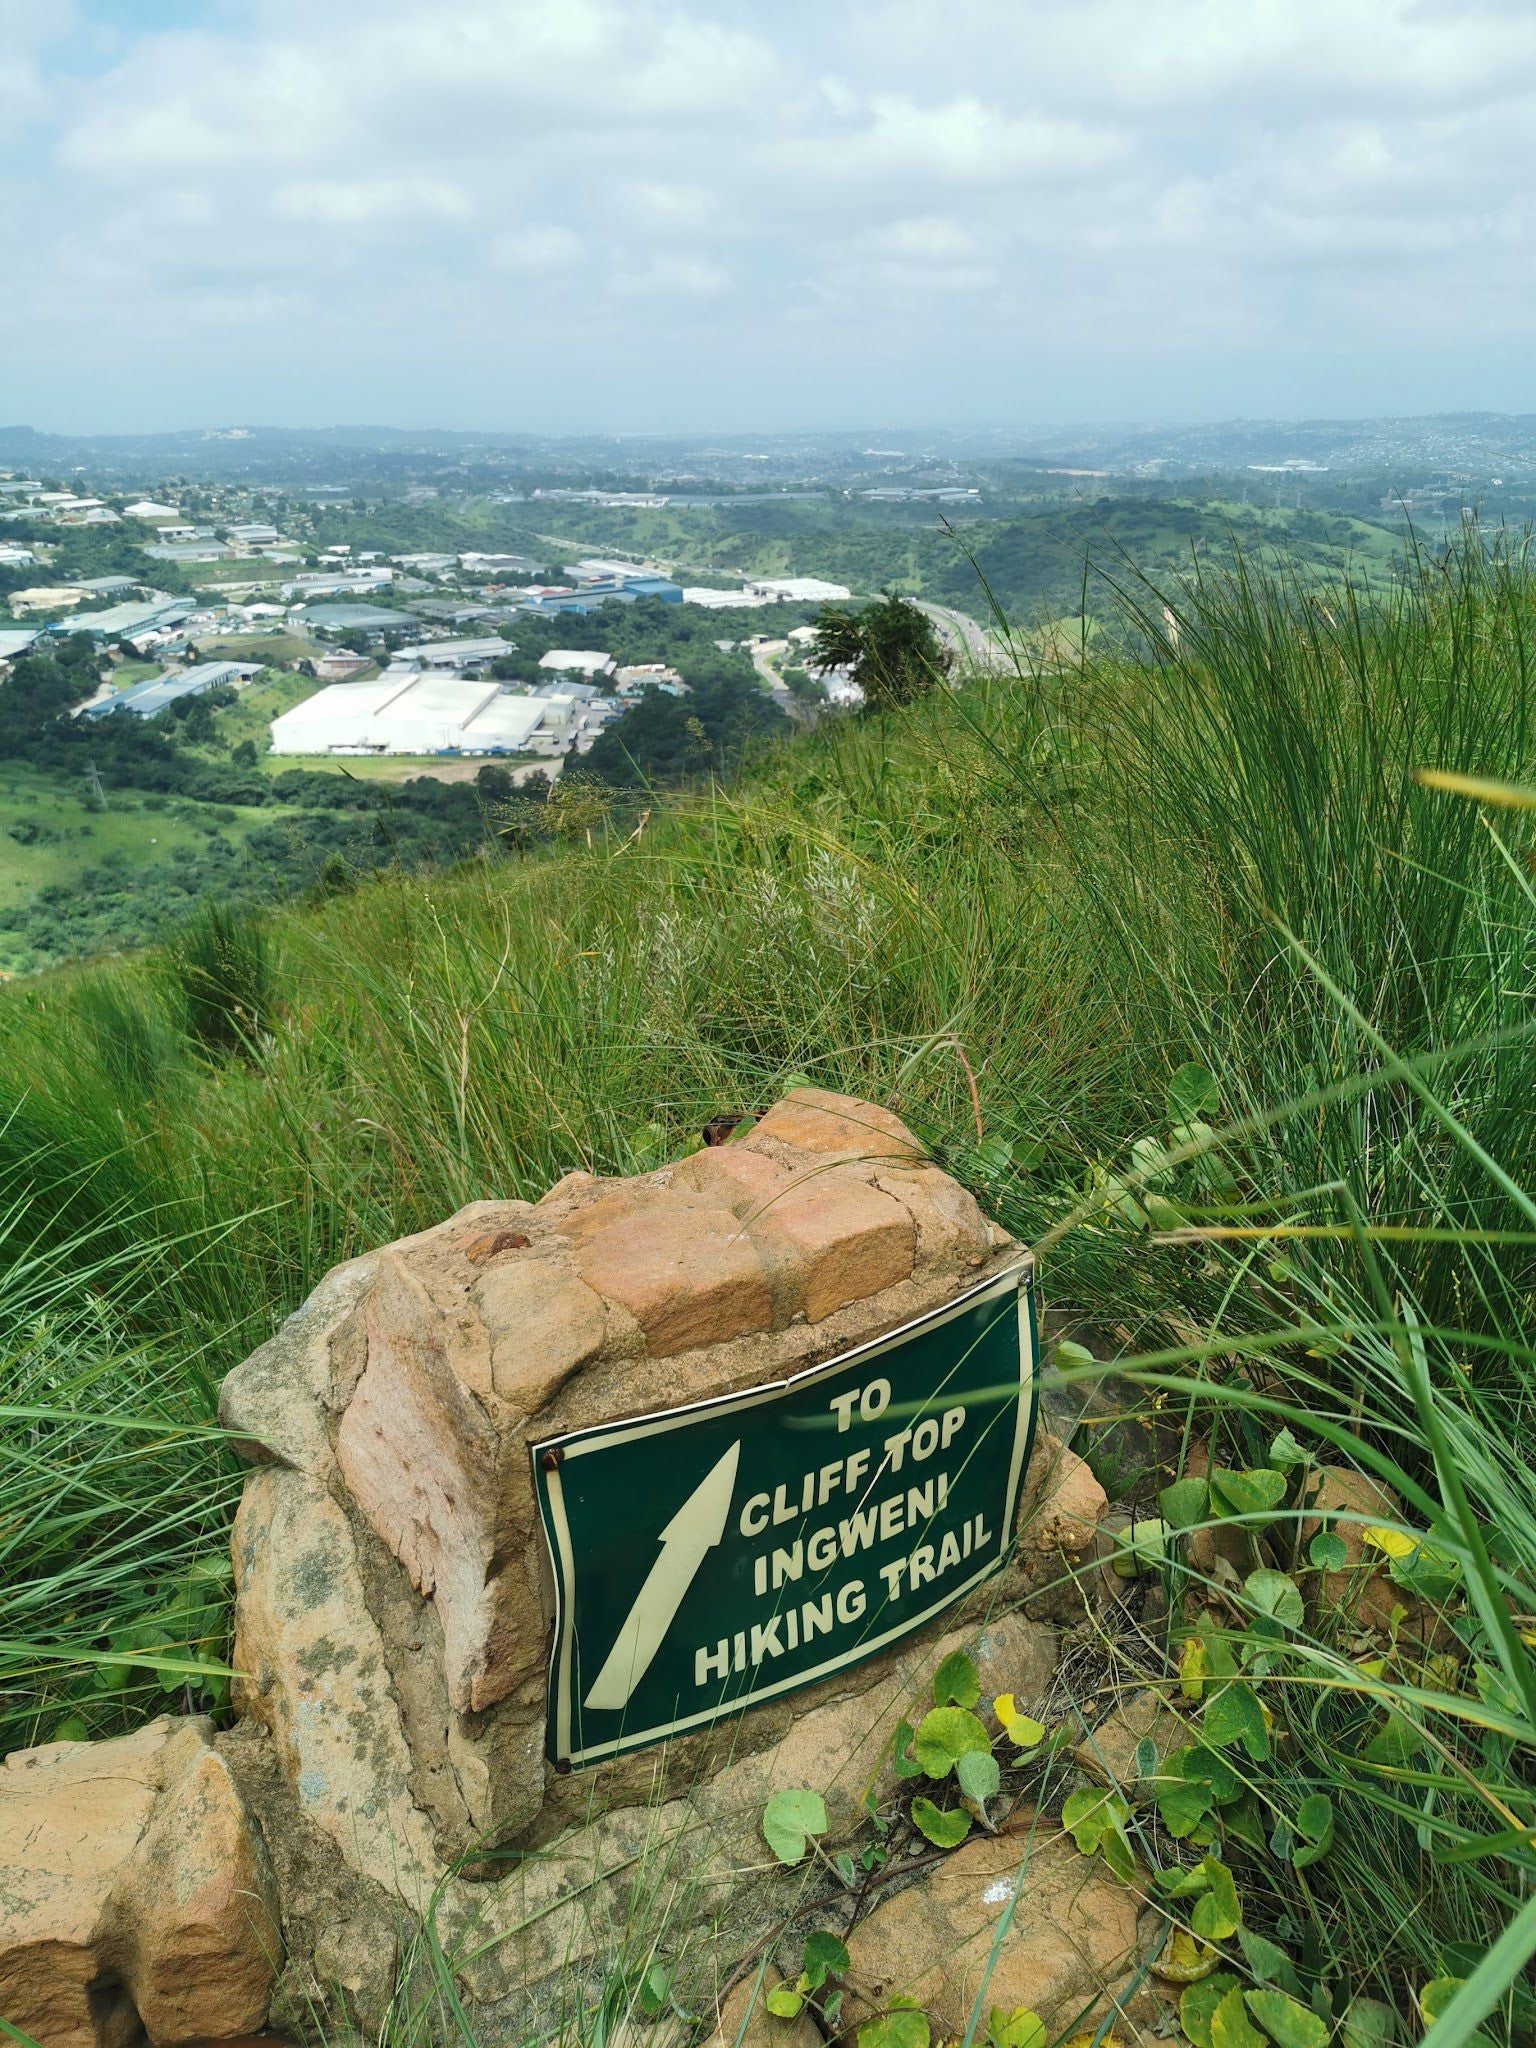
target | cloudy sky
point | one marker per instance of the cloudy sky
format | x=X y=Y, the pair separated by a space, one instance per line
x=736 y=214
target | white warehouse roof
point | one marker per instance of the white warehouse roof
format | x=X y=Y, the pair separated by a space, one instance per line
x=804 y=589
x=590 y=661
x=420 y=714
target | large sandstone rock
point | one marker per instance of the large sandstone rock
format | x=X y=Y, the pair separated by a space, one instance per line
x=407 y=1391
x=393 y=1603
x=1071 y=1935
x=133 y=1894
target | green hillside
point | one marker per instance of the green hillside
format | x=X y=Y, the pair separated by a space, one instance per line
x=1033 y=560
x=1178 y=965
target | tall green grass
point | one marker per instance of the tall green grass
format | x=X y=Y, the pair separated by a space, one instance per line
x=1014 y=913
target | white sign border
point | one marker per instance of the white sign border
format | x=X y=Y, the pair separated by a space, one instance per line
x=1020 y=1277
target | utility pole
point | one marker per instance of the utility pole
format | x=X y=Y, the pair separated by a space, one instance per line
x=94 y=779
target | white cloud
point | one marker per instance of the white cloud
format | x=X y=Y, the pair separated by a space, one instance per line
x=371 y=202
x=685 y=277
x=537 y=251
x=901 y=207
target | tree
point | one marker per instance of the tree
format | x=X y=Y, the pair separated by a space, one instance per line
x=890 y=648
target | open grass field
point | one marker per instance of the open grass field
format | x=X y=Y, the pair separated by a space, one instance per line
x=1197 y=975
x=262 y=699
x=48 y=835
x=202 y=575
x=276 y=648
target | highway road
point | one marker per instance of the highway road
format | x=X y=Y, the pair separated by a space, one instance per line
x=963 y=636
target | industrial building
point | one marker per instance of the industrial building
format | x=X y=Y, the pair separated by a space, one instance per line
x=722 y=600
x=363 y=618
x=123 y=621
x=797 y=589
x=456 y=653
x=415 y=713
x=617 y=590
x=15 y=641
x=149 y=698
x=590 y=662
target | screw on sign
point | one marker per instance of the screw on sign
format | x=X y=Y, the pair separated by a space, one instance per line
x=715 y=1555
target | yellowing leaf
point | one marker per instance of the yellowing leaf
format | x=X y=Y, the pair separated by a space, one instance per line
x=1022 y=1730
x=1185 y=1960
x=1288 y=2022
x=1194 y=1668
x=1391 y=1541
x=1482 y=789
x=1231 y=2027
x=1020 y=2028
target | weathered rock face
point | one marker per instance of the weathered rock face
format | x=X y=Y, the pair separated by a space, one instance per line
x=403 y=1398
x=1070 y=1935
x=133 y=1893
x=393 y=1620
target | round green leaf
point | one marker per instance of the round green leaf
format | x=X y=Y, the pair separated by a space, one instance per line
x=791 y=1820
x=944 y=1830
x=783 y=2003
x=1329 y=1553
x=946 y=1735
x=1368 y=2023
x=1314 y=1823
x=1192 y=1092
x=824 y=1955
x=978 y=1774
x=1140 y=1549
x=1020 y=2028
x=1272 y=1593
x=1230 y=2026
x=1183 y=1504
x=1256 y=1492
x=902 y=2025
x=1269 y=1963
x=1197 y=2006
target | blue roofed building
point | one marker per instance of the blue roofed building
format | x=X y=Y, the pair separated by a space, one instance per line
x=616 y=590
x=149 y=698
x=122 y=621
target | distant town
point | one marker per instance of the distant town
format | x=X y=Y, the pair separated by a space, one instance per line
x=250 y=663
x=403 y=647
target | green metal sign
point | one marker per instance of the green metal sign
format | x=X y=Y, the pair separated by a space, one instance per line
x=719 y=1554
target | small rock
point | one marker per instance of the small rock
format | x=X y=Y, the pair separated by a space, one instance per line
x=1108 y=1752
x=133 y=1894
x=1064 y=1503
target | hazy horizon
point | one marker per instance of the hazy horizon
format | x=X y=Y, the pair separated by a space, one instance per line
x=664 y=217
x=829 y=430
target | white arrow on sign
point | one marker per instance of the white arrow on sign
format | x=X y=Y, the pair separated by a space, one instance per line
x=687 y=1539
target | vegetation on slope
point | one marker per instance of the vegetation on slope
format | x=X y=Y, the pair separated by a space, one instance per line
x=1179 y=965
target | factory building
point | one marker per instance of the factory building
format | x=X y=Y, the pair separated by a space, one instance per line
x=125 y=621
x=414 y=713
x=797 y=589
x=147 y=699
x=589 y=662
x=460 y=654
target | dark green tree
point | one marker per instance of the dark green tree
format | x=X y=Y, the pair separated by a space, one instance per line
x=890 y=648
